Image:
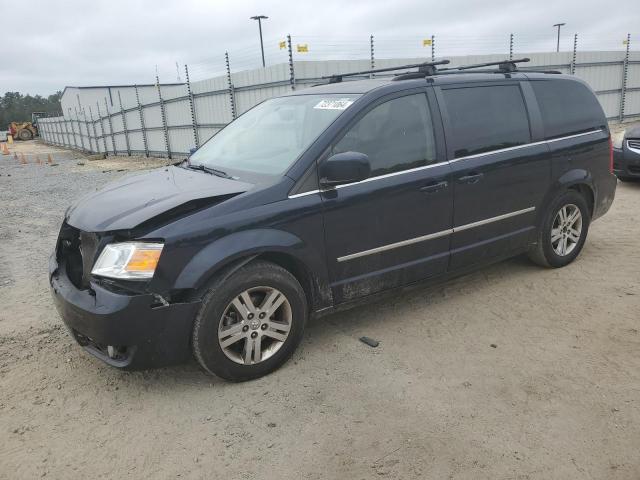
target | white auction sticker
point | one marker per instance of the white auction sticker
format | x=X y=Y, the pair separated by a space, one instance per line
x=334 y=104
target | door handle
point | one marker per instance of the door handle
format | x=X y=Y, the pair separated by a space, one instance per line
x=470 y=178
x=434 y=187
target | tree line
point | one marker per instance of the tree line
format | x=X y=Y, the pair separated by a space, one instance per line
x=16 y=107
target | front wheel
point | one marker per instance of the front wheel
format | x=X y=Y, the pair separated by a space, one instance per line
x=250 y=322
x=562 y=232
x=25 y=134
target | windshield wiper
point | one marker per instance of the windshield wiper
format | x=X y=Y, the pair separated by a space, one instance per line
x=212 y=171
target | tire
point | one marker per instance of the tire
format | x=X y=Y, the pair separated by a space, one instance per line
x=225 y=318
x=548 y=253
x=25 y=134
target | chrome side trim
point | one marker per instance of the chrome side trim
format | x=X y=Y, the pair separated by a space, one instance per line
x=435 y=235
x=525 y=145
x=391 y=246
x=371 y=179
x=467 y=157
x=468 y=226
x=393 y=174
x=311 y=192
x=493 y=152
x=573 y=136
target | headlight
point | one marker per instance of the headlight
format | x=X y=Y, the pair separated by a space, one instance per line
x=616 y=140
x=128 y=260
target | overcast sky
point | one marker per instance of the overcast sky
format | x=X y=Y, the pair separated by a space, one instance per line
x=55 y=43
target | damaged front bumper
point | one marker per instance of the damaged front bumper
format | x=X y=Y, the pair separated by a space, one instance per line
x=126 y=331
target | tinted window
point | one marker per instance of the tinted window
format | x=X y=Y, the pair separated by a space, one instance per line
x=396 y=135
x=567 y=107
x=486 y=118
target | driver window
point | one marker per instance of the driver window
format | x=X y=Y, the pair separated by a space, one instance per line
x=396 y=135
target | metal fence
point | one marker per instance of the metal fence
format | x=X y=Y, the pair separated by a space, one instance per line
x=170 y=119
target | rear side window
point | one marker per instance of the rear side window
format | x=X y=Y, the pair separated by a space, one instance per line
x=567 y=107
x=486 y=118
x=396 y=135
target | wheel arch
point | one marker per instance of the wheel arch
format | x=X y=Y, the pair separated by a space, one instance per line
x=579 y=180
x=228 y=254
x=586 y=191
x=298 y=269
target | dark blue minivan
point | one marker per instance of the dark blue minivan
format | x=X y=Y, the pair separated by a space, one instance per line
x=311 y=201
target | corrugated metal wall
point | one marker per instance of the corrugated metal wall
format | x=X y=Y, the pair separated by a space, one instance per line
x=171 y=119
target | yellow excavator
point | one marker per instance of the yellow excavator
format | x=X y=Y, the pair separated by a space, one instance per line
x=23 y=130
x=26 y=130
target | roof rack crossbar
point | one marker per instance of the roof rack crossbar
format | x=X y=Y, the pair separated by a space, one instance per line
x=503 y=65
x=463 y=72
x=428 y=68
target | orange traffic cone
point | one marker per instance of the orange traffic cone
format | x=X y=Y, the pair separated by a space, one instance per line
x=5 y=149
x=49 y=159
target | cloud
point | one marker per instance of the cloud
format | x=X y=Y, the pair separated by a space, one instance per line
x=75 y=42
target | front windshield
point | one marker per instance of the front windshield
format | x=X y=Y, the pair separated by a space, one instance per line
x=270 y=137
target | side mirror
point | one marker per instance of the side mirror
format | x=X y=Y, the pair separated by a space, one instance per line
x=192 y=150
x=341 y=168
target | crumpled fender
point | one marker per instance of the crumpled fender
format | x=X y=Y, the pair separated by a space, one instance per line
x=239 y=245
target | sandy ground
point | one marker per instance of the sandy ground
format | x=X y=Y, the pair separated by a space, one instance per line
x=512 y=372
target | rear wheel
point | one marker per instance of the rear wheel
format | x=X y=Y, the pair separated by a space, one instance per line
x=250 y=323
x=25 y=134
x=563 y=231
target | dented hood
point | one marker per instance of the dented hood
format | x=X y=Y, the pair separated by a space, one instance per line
x=132 y=200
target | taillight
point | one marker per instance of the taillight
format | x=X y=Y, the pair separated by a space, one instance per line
x=610 y=155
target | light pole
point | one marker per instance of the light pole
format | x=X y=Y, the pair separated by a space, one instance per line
x=259 y=18
x=558 y=25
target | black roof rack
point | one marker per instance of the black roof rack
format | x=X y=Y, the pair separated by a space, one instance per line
x=427 y=68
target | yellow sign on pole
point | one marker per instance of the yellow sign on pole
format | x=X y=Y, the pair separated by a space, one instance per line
x=426 y=42
x=624 y=42
x=302 y=48
x=283 y=45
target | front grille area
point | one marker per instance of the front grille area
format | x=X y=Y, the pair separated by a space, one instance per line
x=68 y=253
x=75 y=252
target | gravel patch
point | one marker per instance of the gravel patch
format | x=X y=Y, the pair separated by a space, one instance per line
x=513 y=371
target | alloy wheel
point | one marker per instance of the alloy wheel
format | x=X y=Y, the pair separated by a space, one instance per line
x=254 y=325
x=566 y=230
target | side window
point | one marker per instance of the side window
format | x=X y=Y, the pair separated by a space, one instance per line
x=486 y=118
x=567 y=107
x=396 y=135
